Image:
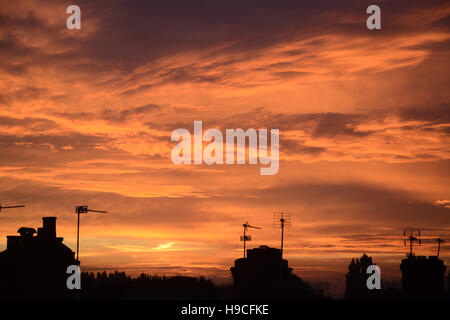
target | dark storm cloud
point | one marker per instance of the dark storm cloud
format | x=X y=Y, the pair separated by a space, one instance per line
x=317 y=125
x=16 y=57
x=131 y=33
x=289 y=74
x=40 y=150
x=137 y=90
x=349 y=201
x=125 y=114
x=164 y=28
x=160 y=28
x=443 y=23
x=139 y=211
x=110 y=114
x=333 y=124
x=368 y=237
x=185 y=74
x=357 y=206
x=291 y=146
x=438 y=114
x=36 y=124
x=436 y=47
x=30 y=22
x=24 y=94
x=74 y=115
x=323 y=125
x=73 y=139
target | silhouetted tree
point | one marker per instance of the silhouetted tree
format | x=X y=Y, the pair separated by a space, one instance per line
x=356 y=279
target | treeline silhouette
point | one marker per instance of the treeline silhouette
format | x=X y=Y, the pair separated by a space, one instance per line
x=119 y=285
x=356 y=279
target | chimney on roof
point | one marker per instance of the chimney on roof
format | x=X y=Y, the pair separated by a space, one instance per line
x=49 y=228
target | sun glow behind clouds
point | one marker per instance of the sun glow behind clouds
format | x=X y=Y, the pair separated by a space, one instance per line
x=164 y=246
x=136 y=248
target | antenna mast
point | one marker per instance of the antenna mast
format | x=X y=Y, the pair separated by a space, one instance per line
x=411 y=238
x=80 y=210
x=282 y=220
x=245 y=237
x=439 y=241
x=11 y=207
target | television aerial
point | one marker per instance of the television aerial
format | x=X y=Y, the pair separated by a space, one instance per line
x=282 y=220
x=82 y=210
x=11 y=207
x=439 y=241
x=246 y=237
x=411 y=235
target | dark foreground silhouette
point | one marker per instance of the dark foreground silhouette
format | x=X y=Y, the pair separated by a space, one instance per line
x=264 y=274
x=118 y=285
x=422 y=278
x=34 y=266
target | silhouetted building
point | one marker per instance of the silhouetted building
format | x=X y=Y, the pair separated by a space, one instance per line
x=264 y=274
x=34 y=266
x=423 y=277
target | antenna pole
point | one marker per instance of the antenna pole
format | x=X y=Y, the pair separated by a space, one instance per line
x=78 y=211
x=410 y=245
x=78 y=232
x=439 y=247
x=282 y=236
x=11 y=207
x=411 y=240
x=439 y=240
x=244 y=238
x=282 y=220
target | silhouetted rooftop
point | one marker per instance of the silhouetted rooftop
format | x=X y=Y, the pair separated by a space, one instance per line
x=34 y=266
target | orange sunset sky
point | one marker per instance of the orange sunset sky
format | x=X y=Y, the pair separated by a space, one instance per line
x=86 y=117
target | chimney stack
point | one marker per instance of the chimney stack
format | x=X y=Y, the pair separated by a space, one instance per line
x=49 y=228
